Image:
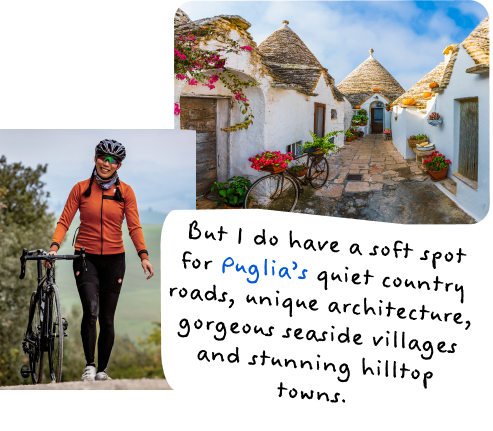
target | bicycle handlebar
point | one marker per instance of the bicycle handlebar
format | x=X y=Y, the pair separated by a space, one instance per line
x=42 y=255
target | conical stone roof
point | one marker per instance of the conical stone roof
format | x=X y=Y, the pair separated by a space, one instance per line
x=292 y=64
x=359 y=84
x=284 y=46
x=477 y=44
x=422 y=86
x=181 y=18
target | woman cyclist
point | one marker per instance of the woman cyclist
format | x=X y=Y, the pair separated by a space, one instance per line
x=103 y=202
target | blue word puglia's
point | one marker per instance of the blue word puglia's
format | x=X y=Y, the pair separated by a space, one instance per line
x=253 y=270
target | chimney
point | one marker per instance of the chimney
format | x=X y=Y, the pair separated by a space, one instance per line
x=448 y=52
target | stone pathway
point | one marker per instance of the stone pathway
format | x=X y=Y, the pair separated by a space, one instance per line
x=392 y=189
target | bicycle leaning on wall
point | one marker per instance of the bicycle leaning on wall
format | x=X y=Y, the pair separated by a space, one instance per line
x=280 y=190
x=46 y=327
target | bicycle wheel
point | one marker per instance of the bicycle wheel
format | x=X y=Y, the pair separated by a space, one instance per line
x=55 y=343
x=33 y=333
x=275 y=192
x=318 y=173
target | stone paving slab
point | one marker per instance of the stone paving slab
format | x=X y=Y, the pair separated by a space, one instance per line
x=333 y=191
x=357 y=186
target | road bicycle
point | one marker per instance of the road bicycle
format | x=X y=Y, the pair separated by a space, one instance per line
x=280 y=190
x=46 y=327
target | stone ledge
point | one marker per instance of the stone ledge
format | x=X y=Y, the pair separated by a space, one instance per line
x=480 y=68
x=466 y=181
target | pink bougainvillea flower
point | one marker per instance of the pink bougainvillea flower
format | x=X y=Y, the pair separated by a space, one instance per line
x=193 y=82
x=246 y=48
x=177 y=109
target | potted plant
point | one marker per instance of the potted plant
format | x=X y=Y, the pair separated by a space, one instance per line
x=387 y=131
x=232 y=192
x=271 y=161
x=388 y=106
x=325 y=144
x=416 y=139
x=349 y=135
x=436 y=165
x=298 y=170
x=362 y=112
x=435 y=119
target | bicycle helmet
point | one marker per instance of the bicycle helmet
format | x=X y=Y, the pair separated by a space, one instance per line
x=111 y=147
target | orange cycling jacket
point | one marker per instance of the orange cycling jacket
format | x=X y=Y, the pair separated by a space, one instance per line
x=101 y=218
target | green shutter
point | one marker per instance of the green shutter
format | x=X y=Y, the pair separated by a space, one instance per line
x=468 y=145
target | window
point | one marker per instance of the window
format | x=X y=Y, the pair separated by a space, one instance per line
x=295 y=148
x=319 y=126
x=333 y=113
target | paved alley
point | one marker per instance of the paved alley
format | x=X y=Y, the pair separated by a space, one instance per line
x=391 y=189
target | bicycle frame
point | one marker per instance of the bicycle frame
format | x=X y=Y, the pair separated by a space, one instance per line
x=43 y=296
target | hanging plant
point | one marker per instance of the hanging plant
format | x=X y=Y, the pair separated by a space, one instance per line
x=435 y=119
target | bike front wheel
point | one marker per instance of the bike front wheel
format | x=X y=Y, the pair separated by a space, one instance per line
x=275 y=192
x=33 y=334
x=318 y=173
x=56 y=334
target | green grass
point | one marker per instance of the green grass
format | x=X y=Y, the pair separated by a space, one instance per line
x=140 y=299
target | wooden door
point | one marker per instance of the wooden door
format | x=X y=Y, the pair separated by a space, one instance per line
x=468 y=139
x=200 y=115
x=377 y=119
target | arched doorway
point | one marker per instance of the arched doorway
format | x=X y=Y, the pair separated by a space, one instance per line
x=376 y=116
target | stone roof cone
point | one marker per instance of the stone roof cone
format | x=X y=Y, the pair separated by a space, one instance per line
x=359 y=84
x=292 y=64
x=284 y=46
x=181 y=18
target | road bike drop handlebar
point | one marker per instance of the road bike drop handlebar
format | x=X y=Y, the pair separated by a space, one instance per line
x=42 y=255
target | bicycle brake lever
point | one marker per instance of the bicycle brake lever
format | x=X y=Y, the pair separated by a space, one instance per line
x=23 y=264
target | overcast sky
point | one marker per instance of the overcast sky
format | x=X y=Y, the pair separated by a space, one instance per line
x=408 y=37
x=160 y=164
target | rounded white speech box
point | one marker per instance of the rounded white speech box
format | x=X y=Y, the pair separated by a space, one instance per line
x=324 y=317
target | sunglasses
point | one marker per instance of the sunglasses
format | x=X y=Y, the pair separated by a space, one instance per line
x=110 y=159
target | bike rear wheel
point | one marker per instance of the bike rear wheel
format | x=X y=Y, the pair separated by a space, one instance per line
x=318 y=173
x=56 y=334
x=34 y=330
x=275 y=192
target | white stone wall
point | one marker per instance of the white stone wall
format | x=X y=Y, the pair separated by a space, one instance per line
x=399 y=131
x=446 y=136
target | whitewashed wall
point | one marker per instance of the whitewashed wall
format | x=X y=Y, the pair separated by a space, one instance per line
x=446 y=136
x=399 y=131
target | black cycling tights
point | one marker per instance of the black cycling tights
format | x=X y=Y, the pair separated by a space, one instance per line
x=99 y=288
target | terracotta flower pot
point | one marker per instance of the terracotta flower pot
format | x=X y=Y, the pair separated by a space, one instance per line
x=387 y=108
x=299 y=173
x=438 y=175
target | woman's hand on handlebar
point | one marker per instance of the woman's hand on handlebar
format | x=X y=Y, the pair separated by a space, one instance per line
x=47 y=264
x=147 y=267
